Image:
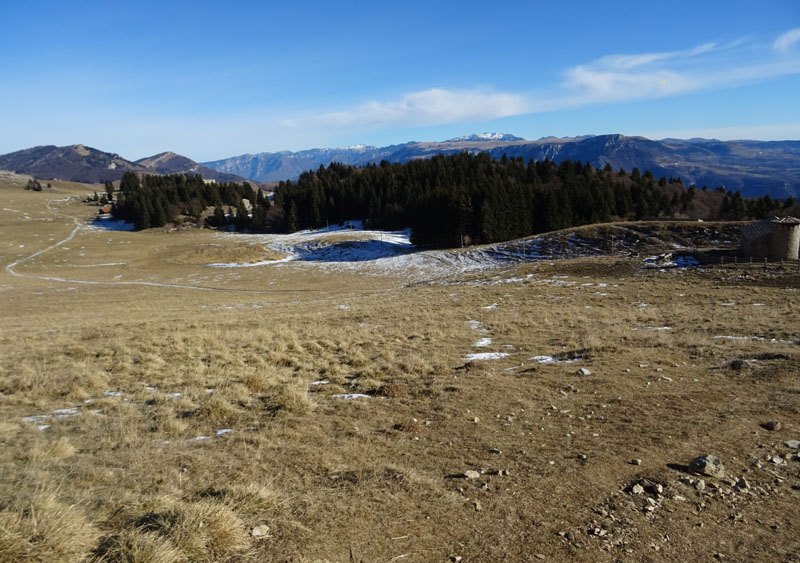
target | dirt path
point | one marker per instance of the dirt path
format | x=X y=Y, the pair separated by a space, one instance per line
x=10 y=268
x=11 y=271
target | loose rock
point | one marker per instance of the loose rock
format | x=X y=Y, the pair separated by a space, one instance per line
x=792 y=444
x=708 y=464
x=637 y=489
x=471 y=474
x=583 y=371
x=261 y=532
x=771 y=425
x=636 y=461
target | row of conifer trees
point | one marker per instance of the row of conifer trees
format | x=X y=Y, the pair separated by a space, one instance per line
x=445 y=200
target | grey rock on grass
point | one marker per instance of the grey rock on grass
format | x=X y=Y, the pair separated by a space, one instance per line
x=707 y=464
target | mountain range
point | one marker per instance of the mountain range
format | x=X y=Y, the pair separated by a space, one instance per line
x=754 y=167
x=79 y=163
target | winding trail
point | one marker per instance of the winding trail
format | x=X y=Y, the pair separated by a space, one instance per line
x=10 y=268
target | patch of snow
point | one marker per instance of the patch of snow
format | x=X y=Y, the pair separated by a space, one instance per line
x=485 y=356
x=349 y=396
x=106 y=223
x=482 y=343
x=36 y=418
x=490 y=307
x=554 y=360
x=759 y=339
x=320 y=382
x=113 y=393
x=676 y=262
x=223 y=431
x=343 y=307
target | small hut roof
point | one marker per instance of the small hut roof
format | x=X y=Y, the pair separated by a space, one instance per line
x=786 y=220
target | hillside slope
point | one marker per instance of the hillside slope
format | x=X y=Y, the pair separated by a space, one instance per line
x=172 y=163
x=74 y=163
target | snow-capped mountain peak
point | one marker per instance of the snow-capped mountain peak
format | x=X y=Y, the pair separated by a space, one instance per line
x=486 y=137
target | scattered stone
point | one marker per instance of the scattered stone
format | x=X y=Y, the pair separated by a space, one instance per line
x=655 y=488
x=771 y=425
x=700 y=485
x=597 y=532
x=478 y=506
x=495 y=451
x=637 y=489
x=679 y=498
x=742 y=484
x=776 y=460
x=540 y=556
x=583 y=371
x=471 y=474
x=636 y=461
x=795 y=444
x=456 y=558
x=582 y=457
x=475 y=419
x=708 y=464
x=261 y=532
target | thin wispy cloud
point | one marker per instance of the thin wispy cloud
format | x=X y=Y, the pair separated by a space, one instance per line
x=785 y=42
x=433 y=106
x=625 y=62
x=608 y=79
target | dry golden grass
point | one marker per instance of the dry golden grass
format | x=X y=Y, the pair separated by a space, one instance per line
x=198 y=418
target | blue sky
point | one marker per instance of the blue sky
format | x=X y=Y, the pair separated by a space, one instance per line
x=216 y=79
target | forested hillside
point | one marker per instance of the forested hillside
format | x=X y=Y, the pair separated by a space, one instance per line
x=475 y=199
x=446 y=200
x=154 y=201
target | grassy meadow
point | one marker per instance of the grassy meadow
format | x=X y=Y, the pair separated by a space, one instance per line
x=157 y=410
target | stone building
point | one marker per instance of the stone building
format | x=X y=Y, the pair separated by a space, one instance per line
x=776 y=238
